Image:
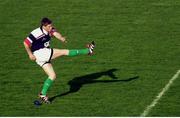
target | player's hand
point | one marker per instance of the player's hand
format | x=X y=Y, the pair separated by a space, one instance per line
x=32 y=57
x=63 y=39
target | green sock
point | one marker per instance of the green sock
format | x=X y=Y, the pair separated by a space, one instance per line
x=78 y=52
x=46 y=86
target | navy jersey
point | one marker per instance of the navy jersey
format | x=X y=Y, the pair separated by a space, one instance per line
x=39 y=38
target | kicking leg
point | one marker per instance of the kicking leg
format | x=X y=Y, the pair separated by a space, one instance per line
x=59 y=53
x=65 y=52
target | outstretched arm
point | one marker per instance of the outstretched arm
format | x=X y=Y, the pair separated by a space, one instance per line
x=60 y=37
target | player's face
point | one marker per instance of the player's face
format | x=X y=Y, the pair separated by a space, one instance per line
x=48 y=27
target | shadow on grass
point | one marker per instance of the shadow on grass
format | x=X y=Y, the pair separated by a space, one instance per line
x=76 y=83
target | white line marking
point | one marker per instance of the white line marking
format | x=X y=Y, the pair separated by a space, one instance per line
x=149 y=107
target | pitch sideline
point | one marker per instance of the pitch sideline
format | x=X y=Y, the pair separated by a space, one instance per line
x=155 y=101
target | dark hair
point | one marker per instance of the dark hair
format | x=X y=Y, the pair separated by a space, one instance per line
x=45 y=21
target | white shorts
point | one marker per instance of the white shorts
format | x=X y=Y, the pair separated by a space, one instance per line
x=43 y=56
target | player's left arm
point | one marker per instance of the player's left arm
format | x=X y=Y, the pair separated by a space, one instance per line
x=58 y=35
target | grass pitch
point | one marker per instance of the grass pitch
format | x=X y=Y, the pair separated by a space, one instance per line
x=137 y=53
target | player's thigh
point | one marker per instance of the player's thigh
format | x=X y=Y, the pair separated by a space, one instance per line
x=48 y=68
x=59 y=52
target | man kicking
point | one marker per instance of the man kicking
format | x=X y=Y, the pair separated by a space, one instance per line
x=37 y=45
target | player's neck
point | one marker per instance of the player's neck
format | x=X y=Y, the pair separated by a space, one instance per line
x=44 y=30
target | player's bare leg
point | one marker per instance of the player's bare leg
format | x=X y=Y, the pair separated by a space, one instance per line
x=59 y=53
x=65 y=52
x=48 y=68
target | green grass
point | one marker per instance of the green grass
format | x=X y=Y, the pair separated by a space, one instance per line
x=139 y=38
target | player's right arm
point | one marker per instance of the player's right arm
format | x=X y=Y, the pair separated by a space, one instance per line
x=27 y=46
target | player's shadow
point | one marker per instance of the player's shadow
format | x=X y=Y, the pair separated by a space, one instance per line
x=76 y=83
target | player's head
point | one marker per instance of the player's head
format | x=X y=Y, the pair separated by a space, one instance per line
x=46 y=24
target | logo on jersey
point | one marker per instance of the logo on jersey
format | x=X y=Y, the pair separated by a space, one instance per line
x=47 y=44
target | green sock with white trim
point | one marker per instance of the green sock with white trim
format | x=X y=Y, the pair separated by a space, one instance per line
x=78 y=52
x=46 y=86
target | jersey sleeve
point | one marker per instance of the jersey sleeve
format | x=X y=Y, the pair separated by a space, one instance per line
x=29 y=40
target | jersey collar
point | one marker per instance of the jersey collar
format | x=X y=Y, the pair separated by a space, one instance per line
x=44 y=31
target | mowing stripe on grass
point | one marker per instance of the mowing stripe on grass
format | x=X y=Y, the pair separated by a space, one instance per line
x=155 y=101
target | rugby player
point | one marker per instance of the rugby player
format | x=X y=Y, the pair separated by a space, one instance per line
x=37 y=45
